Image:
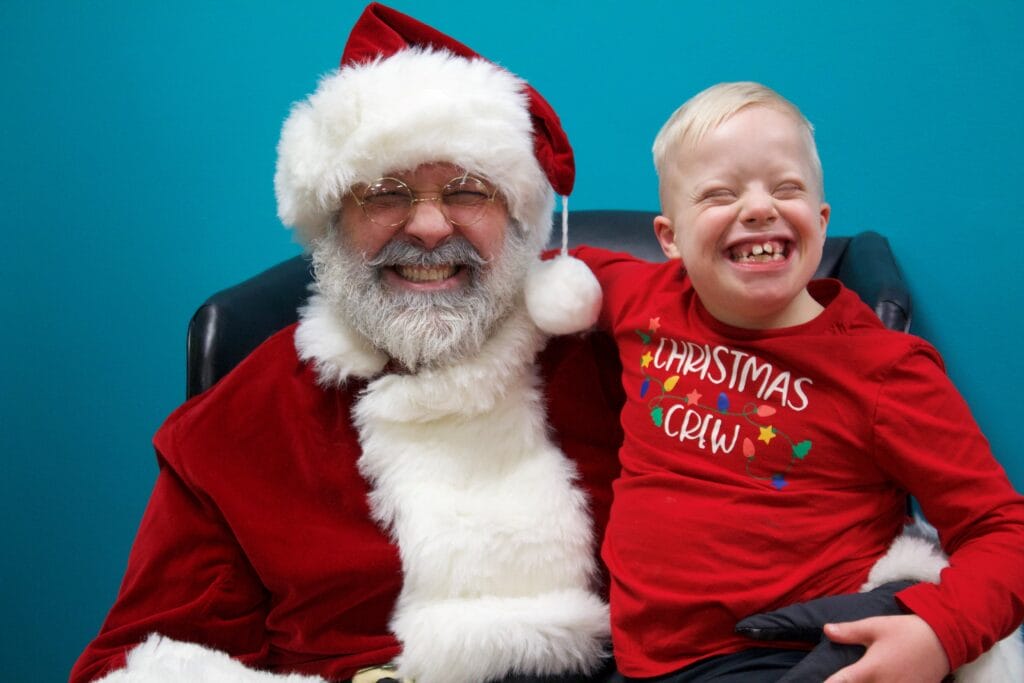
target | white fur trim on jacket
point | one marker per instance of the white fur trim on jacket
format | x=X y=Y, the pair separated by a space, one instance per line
x=916 y=555
x=494 y=534
x=162 y=660
x=416 y=106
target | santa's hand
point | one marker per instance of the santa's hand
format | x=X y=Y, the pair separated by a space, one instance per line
x=805 y=621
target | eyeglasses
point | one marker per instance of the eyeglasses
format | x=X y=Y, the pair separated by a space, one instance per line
x=388 y=202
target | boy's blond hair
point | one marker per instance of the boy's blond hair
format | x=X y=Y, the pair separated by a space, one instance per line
x=709 y=108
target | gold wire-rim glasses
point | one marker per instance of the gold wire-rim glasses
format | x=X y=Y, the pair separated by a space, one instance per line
x=389 y=201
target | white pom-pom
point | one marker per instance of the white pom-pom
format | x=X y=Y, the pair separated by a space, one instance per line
x=562 y=295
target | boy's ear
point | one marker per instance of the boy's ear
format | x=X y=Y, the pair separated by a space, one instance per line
x=826 y=212
x=666 y=235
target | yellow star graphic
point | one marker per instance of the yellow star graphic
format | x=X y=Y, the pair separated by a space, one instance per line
x=767 y=434
x=646 y=359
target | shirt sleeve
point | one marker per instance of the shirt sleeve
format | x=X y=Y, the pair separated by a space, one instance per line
x=186 y=579
x=614 y=271
x=927 y=439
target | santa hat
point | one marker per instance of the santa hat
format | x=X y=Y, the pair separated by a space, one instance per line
x=405 y=94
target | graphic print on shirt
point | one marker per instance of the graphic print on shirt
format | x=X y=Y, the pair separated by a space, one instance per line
x=736 y=420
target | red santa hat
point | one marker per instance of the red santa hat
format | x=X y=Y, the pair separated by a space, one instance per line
x=406 y=94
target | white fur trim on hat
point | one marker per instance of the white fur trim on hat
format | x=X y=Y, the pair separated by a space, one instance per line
x=562 y=295
x=414 y=107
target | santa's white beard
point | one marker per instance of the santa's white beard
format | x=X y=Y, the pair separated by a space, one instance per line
x=422 y=328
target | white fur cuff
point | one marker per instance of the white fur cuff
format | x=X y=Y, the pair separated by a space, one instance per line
x=162 y=660
x=557 y=632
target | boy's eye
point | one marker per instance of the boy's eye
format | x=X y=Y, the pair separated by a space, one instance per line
x=788 y=189
x=718 y=195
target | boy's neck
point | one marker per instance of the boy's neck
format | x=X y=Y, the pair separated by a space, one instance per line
x=802 y=309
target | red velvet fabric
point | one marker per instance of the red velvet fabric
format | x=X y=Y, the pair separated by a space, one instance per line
x=257 y=540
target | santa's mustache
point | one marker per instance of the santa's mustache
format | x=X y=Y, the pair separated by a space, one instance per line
x=455 y=251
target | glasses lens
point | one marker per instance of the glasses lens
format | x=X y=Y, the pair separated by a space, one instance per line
x=387 y=201
x=464 y=199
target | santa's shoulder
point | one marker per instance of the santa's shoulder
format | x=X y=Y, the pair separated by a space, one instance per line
x=270 y=400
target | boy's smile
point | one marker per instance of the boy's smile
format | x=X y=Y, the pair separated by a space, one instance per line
x=760 y=251
x=743 y=212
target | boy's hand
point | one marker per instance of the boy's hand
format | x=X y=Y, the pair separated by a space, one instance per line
x=867 y=626
x=804 y=620
x=899 y=648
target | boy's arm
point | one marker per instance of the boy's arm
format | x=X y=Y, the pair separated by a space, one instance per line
x=617 y=274
x=899 y=646
x=926 y=439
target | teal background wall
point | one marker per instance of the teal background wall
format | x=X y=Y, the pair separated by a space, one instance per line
x=137 y=153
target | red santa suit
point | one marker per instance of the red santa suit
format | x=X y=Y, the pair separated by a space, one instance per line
x=317 y=514
x=312 y=514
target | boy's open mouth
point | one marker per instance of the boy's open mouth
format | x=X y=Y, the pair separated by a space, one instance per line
x=759 y=252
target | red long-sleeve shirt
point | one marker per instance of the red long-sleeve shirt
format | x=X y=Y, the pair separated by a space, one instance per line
x=766 y=467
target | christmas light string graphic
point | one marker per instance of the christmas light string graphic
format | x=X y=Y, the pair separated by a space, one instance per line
x=750 y=411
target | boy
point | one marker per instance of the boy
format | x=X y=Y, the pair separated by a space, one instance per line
x=774 y=426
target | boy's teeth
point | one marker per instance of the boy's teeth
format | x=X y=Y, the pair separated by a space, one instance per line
x=768 y=251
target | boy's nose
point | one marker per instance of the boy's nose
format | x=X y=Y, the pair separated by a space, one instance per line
x=427 y=224
x=758 y=208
